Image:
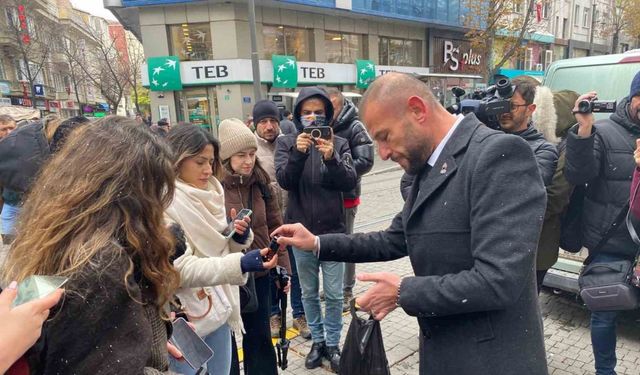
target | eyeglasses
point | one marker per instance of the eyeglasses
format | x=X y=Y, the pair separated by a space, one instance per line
x=516 y=106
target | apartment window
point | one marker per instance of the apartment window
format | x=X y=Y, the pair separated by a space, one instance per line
x=548 y=58
x=401 y=52
x=545 y=11
x=191 y=41
x=285 y=40
x=576 y=16
x=517 y=6
x=528 y=59
x=342 y=48
x=565 y=22
x=585 y=17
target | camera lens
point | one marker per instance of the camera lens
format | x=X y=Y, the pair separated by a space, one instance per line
x=503 y=86
x=315 y=133
x=584 y=106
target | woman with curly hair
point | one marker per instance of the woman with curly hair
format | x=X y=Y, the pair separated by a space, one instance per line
x=96 y=216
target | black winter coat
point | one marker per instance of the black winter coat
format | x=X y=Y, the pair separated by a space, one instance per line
x=349 y=127
x=545 y=152
x=604 y=161
x=474 y=288
x=315 y=186
x=22 y=154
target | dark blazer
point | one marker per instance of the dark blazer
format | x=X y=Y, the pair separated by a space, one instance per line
x=470 y=227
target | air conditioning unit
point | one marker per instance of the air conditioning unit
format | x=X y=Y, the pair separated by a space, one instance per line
x=539 y=67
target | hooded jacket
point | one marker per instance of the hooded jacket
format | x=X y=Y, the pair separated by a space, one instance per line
x=22 y=154
x=315 y=186
x=348 y=126
x=604 y=161
x=554 y=122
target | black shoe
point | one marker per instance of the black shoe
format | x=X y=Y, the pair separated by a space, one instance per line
x=332 y=353
x=314 y=358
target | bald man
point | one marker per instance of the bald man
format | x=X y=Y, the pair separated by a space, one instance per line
x=466 y=226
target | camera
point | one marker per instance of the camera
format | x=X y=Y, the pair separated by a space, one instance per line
x=604 y=106
x=274 y=246
x=316 y=132
x=487 y=104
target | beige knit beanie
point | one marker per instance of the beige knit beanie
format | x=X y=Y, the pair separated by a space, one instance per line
x=234 y=137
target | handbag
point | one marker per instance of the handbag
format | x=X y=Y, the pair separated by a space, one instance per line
x=606 y=286
x=248 y=294
x=363 y=352
x=207 y=308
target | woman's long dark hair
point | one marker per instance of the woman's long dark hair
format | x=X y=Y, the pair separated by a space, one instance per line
x=188 y=141
x=106 y=189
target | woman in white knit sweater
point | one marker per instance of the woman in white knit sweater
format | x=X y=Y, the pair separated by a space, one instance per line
x=212 y=266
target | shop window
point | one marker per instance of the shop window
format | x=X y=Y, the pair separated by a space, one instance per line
x=342 y=48
x=191 y=41
x=401 y=52
x=285 y=40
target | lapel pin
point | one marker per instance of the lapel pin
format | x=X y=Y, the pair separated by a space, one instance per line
x=443 y=170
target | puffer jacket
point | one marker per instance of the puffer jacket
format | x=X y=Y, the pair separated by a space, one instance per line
x=315 y=186
x=348 y=126
x=546 y=153
x=604 y=161
x=266 y=217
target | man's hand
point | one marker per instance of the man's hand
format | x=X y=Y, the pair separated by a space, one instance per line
x=295 y=235
x=304 y=142
x=636 y=153
x=381 y=298
x=325 y=147
x=585 y=120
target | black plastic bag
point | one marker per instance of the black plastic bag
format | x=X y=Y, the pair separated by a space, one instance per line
x=363 y=352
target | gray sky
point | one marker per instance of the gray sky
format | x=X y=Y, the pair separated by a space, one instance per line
x=94 y=7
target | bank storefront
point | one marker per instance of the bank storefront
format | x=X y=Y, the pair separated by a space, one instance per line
x=213 y=90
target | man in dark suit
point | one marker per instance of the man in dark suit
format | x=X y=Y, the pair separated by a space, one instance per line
x=470 y=227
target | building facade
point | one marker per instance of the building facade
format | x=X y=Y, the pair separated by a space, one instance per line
x=212 y=41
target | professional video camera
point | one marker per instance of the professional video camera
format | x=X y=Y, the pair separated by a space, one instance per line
x=486 y=104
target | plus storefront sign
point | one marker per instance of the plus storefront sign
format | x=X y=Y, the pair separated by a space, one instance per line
x=214 y=72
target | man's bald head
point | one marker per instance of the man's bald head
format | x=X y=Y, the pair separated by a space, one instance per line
x=394 y=89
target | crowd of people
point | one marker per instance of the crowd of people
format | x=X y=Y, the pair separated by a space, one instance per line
x=143 y=222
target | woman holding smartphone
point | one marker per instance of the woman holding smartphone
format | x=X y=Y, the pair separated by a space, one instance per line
x=213 y=265
x=247 y=185
x=95 y=215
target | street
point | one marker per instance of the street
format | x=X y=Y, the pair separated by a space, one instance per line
x=566 y=322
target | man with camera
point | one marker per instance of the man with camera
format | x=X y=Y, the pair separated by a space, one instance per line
x=315 y=167
x=473 y=292
x=518 y=122
x=347 y=125
x=600 y=155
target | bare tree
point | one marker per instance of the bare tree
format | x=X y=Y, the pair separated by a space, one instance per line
x=623 y=17
x=104 y=65
x=27 y=25
x=488 y=20
x=70 y=48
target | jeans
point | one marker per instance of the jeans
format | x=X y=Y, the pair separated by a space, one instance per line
x=259 y=355
x=349 y=268
x=603 y=331
x=9 y=218
x=295 y=292
x=332 y=274
x=220 y=342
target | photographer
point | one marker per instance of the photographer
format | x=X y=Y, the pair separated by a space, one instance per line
x=315 y=170
x=518 y=122
x=600 y=154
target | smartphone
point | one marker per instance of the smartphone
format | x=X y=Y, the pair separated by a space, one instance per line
x=194 y=350
x=37 y=286
x=323 y=132
x=274 y=246
x=231 y=228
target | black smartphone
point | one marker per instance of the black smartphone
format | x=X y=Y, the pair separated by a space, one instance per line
x=323 y=132
x=274 y=246
x=231 y=228
x=194 y=350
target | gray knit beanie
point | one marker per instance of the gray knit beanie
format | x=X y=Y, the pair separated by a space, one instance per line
x=234 y=136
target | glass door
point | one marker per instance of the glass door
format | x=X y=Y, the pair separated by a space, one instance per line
x=196 y=106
